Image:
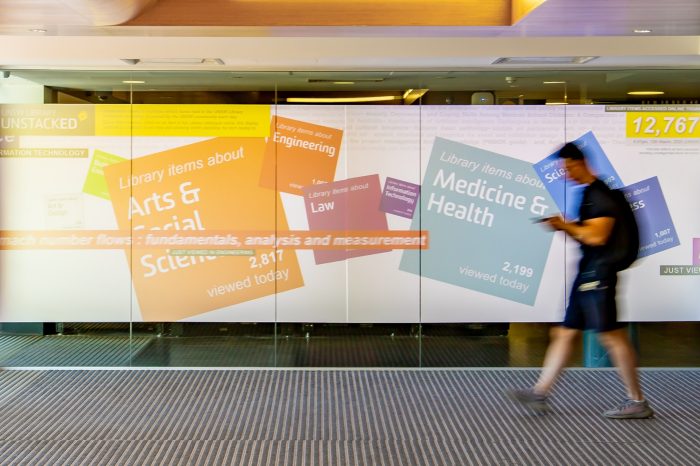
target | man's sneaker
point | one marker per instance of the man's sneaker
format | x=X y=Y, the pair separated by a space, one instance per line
x=630 y=409
x=534 y=401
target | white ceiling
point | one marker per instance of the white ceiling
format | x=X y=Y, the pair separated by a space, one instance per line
x=601 y=28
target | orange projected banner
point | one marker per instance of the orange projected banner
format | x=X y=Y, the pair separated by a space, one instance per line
x=214 y=241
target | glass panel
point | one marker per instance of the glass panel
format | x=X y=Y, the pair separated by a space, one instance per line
x=309 y=153
x=486 y=263
x=204 y=266
x=383 y=171
x=356 y=308
x=65 y=286
x=291 y=306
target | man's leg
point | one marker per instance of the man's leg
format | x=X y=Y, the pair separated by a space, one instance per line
x=625 y=359
x=556 y=357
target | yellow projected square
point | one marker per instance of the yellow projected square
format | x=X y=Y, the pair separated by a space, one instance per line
x=667 y=125
x=183 y=120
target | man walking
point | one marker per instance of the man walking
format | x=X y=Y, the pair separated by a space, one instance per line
x=592 y=303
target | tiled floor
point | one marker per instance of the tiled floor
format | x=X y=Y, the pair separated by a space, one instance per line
x=339 y=417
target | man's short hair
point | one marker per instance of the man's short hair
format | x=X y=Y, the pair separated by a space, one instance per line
x=571 y=151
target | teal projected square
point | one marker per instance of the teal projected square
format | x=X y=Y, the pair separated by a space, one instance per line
x=477 y=207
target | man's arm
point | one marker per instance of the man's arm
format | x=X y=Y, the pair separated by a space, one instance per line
x=591 y=232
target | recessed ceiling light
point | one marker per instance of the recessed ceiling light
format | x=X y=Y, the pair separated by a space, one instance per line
x=38 y=30
x=336 y=81
x=173 y=61
x=543 y=60
x=642 y=31
x=133 y=82
x=553 y=82
x=645 y=92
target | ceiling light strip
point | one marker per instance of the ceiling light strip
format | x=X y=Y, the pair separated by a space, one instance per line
x=645 y=93
x=328 y=100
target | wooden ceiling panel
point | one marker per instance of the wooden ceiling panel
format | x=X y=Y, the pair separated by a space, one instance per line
x=39 y=12
x=482 y=18
x=326 y=13
x=109 y=12
x=69 y=12
x=522 y=8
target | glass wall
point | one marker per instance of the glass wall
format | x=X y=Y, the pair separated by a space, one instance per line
x=299 y=219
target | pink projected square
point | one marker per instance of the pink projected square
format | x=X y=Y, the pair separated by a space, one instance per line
x=346 y=205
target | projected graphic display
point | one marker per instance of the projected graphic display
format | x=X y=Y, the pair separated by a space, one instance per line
x=240 y=213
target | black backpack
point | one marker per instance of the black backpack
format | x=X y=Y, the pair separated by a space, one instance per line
x=625 y=234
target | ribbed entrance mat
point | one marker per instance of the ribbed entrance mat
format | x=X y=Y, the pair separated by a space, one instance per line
x=338 y=417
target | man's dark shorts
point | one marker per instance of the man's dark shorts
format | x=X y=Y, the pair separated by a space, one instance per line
x=592 y=304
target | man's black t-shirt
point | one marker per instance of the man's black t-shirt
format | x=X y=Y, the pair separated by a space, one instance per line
x=597 y=202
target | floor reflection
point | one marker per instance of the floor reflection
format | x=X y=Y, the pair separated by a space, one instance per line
x=306 y=345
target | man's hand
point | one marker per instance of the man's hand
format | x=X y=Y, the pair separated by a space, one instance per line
x=592 y=232
x=555 y=223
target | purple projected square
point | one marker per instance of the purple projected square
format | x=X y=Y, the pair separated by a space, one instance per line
x=696 y=251
x=399 y=197
x=566 y=193
x=656 y=230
